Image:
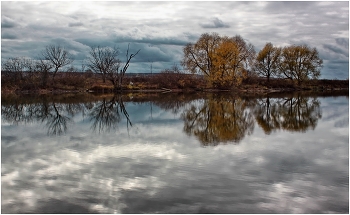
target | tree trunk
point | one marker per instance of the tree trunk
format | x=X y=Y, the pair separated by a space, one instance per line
x=120 y=82
x=299 y=82
x=53 y=76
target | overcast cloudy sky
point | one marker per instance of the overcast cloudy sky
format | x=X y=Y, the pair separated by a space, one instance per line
x=161 y=29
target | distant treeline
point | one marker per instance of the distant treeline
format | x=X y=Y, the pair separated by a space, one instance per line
x=213 y=62
x=165 y=80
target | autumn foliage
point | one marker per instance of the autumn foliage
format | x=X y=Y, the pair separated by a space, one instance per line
x=213 y=62
x=227 y=61
x=223 y=61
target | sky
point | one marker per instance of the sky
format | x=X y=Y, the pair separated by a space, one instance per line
x=162 y=29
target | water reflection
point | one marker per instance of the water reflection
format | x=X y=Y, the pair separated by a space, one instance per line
x=56 y=116
x=219 y=120
x=56 y=113
x=212 y=118
x=293 y=113
x=106 y=114
x=159 y=168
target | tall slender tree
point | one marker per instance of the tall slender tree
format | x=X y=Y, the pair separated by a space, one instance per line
x=122 y=71
x=267 y=61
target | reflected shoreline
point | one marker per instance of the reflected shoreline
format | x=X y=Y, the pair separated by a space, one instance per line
x=213 y=118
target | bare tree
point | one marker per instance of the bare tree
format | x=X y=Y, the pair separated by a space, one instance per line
x=30 y=67
x=43 y=66
x=19 y=70
x=58 y=56
x=126 y=66
x=104 y=60
x=13 y=68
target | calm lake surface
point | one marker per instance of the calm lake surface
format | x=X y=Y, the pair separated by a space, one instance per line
x=175 y=153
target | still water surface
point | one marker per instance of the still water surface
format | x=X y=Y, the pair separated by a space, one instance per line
x=169 y=153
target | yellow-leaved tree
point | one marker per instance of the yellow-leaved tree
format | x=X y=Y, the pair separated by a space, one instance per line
x=268 y=61
x=224 y=61
x=300 y=63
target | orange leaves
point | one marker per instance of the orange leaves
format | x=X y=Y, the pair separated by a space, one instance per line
x=219 y=120
x=222 y=60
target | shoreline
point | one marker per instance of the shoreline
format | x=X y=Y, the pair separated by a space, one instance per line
x=253 y=90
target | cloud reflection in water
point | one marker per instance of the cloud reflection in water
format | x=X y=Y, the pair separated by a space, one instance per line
x=155 y=167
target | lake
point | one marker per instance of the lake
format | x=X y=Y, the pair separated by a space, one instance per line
x=175 y=153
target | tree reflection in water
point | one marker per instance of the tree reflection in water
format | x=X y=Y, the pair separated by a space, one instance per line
x=56 y=122
x=219 y=120
x=213 y=118
x=107 y=114
x=293 y=113
x=57 y=114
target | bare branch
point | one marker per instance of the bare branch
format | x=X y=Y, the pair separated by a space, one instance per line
x=58 y=56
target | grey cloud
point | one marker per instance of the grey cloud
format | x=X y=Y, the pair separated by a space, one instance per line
x=338 y=70
x=342 y=123
x=191 y=36
x=74 y=17
x=34 y=48
x=77 y=49
x=340 y=61
x=153 y=41
x=91 y=42
x=9 y=36
x=289 y=7
x=7 y=22
x=344 y=42
x=215 y=23
x=69 y=44
x=152 y=50
x=75 y=24
x=148 y=53
x=162 y=55
x=60 y=206
x=11 y=48
x=336 y=49
x=8 y=139
x=78 y=58
x=145 y=65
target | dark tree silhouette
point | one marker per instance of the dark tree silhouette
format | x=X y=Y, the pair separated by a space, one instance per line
x=106 y=114
x=294 y=113
x=58 y=56
x=104 y=60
